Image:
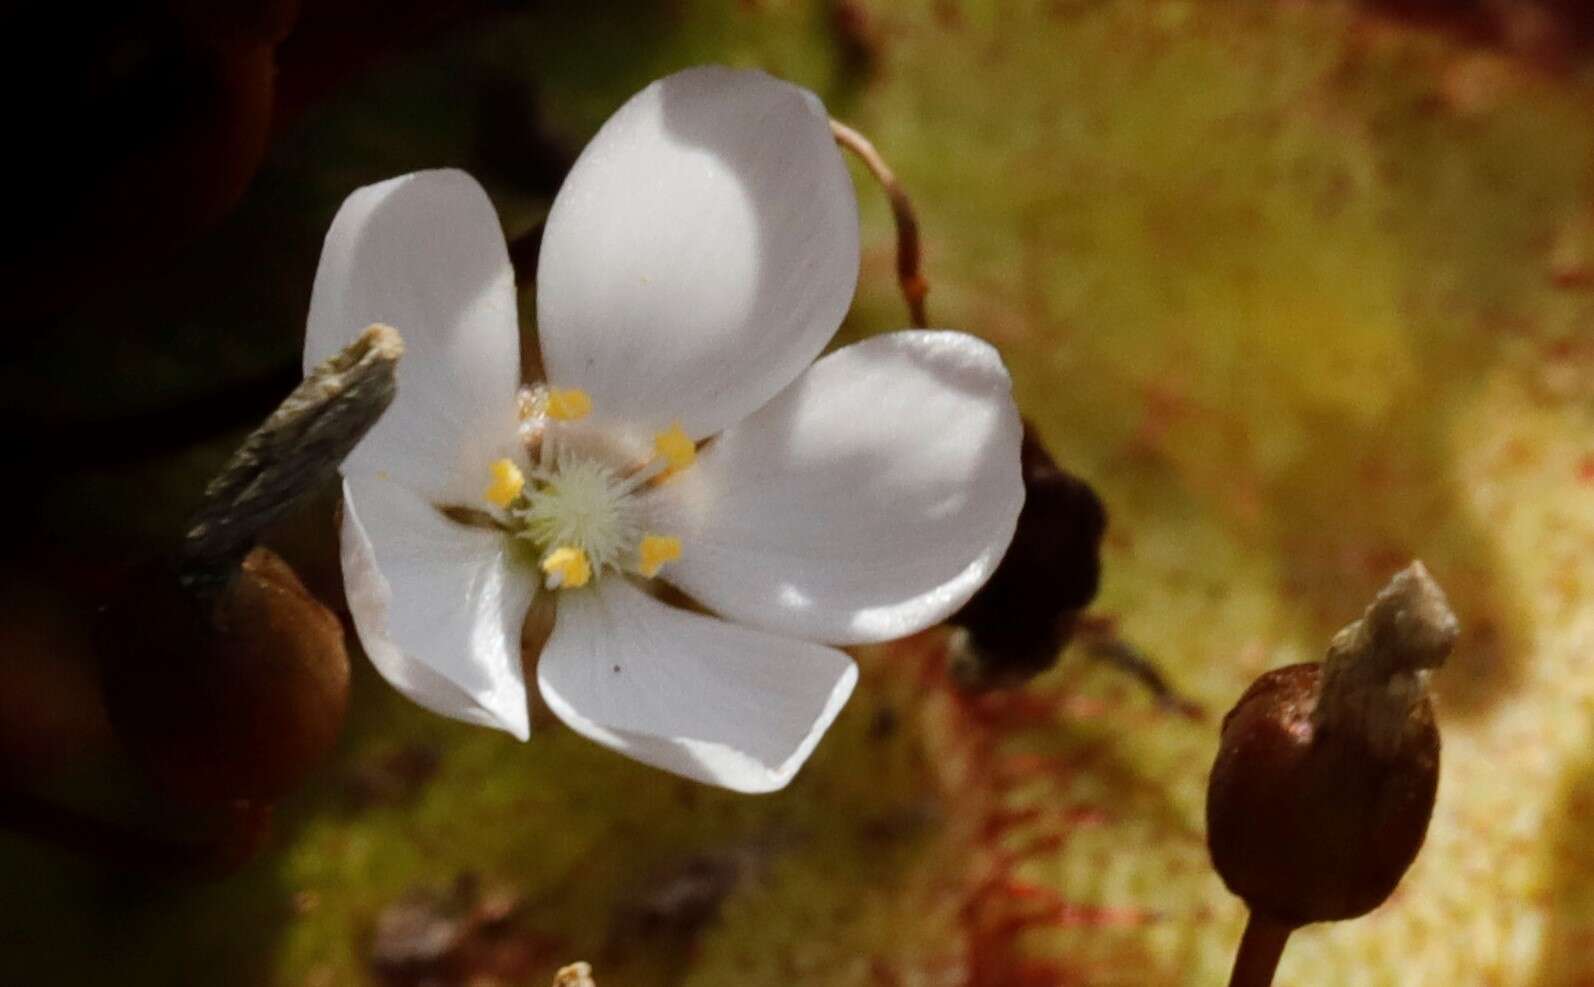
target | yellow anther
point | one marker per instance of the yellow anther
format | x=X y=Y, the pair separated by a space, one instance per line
x=570 y=565
x=656 y=550
x=568 y=405
x=507 y=483
x=676 y=447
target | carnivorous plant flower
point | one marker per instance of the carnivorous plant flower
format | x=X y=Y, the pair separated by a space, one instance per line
x=699 y=256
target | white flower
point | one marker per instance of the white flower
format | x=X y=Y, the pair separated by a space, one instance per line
x=699 y=256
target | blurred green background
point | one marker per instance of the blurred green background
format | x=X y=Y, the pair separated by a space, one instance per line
x=1304 y=289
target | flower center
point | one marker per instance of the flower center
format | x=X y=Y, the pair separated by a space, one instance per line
x=577 y=507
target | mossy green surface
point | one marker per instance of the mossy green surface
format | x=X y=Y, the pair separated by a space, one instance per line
x=1277 y=278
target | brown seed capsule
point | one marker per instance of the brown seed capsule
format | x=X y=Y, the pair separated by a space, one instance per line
x=1326 y=773
x=225 y=678
x=1308 y=827
x=223 y=675
x=232 y=695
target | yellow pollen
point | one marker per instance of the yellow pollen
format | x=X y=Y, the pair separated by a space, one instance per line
x=569 y=405
x=570 y=565
x=656 y=550
x=507 y=483
x=676 y=447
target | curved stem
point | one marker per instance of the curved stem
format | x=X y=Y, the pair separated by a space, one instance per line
x=914 y=285
x=1260 y=949
x=1098 y=635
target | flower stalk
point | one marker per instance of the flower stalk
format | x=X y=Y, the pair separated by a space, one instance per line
x=1261 y=948
x=912 y=281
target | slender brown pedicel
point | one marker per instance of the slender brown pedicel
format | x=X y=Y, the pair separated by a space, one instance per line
x=1327 y=772
x=910 y=279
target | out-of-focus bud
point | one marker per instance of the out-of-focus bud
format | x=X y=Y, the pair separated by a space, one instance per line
x=228 y=696
x=1326 y=774
x=1018 y=623
x=574 y=975
x=50 y=709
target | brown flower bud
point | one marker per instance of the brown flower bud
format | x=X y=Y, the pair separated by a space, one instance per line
x=228 y=695
x=1018 y=622
x=1326 y=774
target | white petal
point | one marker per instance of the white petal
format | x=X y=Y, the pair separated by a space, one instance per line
x=701 y=253
x=867 y=501
x=438 y=606
x=687 y=693
x=424 y=253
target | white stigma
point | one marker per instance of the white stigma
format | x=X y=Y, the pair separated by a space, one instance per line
x=583 y=504
x=578 y=508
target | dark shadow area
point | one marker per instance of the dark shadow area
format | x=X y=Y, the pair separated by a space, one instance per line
x=160 y=315
x=1548 y=30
